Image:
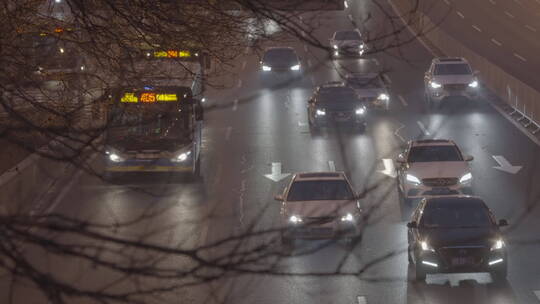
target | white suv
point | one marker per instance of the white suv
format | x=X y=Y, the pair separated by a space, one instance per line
x=448 y=77
x=433 y=167
x=319 y=205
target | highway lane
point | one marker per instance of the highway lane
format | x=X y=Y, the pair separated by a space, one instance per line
x=269 y=125
x=505 y=32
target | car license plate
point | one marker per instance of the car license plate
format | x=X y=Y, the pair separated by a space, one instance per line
x=462 y=261
x=440 y=190
x=147 y=156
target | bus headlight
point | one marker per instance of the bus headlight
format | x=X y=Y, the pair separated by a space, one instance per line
x=320 y=112
x=435 y=85
x=383 y=96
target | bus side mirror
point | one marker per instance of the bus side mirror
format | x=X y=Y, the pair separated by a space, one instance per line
x=199 y=111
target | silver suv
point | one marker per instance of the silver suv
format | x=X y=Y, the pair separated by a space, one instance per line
x=448 y=77
x=433 y=167
x=319 y=205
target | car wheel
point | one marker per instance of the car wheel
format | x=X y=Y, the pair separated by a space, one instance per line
x=287 y=244
x=419 y=273
x=499 y=276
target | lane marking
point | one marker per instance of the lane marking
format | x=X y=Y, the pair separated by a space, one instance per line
x=276 y=174
x=332 y=166
x=362 y=300
x=387 y=78
x=476 y=28
x=423 y=128
x=244 y=65
x=403 y=101
x=350 y=17
x=305 y=48
x=505 y=165
x=235 y=105
x=396 y=133
x=228 y=133
x=520 y=57
x=246 y=50
x=530 y=28
x=509 y=15
x=239 y=83
x=496 y=42
x=460 y=14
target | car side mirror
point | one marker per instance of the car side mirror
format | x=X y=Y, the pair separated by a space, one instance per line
x=199 y=110
x=412 y=224
x=468 y=158
x=279 y=198
x=503 y=223
x=400 y=159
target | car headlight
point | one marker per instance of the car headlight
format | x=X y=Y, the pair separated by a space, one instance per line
x=295 y=219
x=383 y=96
x=115 y=157
x=320 y=112
x=295 y=67
x=435 y=85
x=347 y=218
x=413 y=179
x=182 y=157
x=335 y=47
x=426 y=247
x=361 y=46
x=360 y=111
x=473 y=84
x=499 y=244
x=465 y=178
x=266 y=68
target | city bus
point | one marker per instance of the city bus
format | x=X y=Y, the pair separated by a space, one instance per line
x=154 y=122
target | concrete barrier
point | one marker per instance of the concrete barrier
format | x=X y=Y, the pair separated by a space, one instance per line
x=523 y=99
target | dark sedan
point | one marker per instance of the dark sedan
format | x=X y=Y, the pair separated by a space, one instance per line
x=280 y=59
x=456 y=234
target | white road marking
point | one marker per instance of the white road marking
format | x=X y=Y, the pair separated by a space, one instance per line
x=302 y=124
x=346 y=4
x=403 y=101
x=460 y=14
x=496 y=42
x=235 y=105
x=396 y=133
x=509 y=14
x=350 y=17
x=228 y=133
x=389 y=168
x=530 y=28
x=309 y=62
x=537 y=294
x=423 y=128
x=246 y=51
x=505 y=166
x=239 y=83
x=305 y=47
x=476 y=28
x=520 y=57
x=376 y=62
x=362 y=300
x=332 y=166
x=276 y=174
x=387 y=78
x=244 y=65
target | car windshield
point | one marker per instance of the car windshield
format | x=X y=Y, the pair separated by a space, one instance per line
x=452 y=69
x=434 y=154
x=347 y=35
x=455 y=214
x=280 y=55
x=365 y=82
x=338 y=98
x=320 y=191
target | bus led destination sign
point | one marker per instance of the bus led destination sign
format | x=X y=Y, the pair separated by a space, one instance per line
x=148 y=97
x=172 y=54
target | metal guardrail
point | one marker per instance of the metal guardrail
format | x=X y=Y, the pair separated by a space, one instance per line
x=523 y=99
